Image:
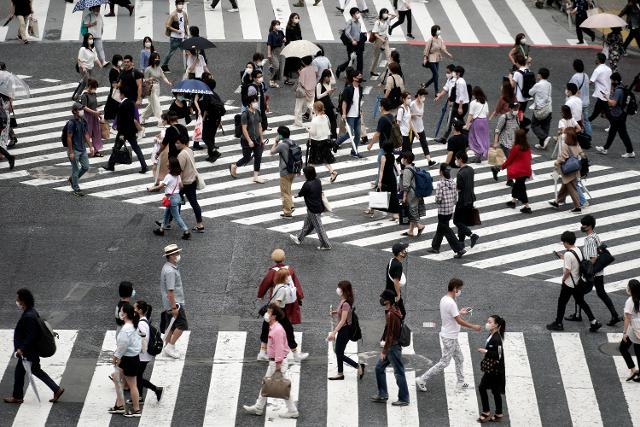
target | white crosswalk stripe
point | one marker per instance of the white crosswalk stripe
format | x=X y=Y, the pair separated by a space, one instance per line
x=319 y=23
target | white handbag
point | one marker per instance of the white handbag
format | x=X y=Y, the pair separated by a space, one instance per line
x=379 y=199
x=325 y=202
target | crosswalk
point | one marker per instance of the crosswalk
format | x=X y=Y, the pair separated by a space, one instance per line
x=510 y=242
x=232 y=379
x=462 y=21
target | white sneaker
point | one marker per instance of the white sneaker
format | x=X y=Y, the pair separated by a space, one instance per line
x=601 y=149
x=290 y=414
x=254 y=409
x=295 y=239
x=421 y=384
x=170 y=350
x=262 y=356
x=546 y=142
x=382 y=344
x=299 y=356
x=630 y=155
x=235 y=9
x=538 y=146
x=585 y=205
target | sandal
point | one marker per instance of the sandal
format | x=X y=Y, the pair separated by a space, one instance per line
x=420 y=230
x=406 y=233
x=485 y=417
x=334 y=175
x=496 y=418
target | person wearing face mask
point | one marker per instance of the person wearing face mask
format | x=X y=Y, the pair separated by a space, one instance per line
x=275 y=41
x=415 y=205
x=126 y=294
x=25 y=335
x=252 y=140
x=601 y=79
x=304 y=91
x=354 y=40
x=404 y=12
x=350 y=112
x=177 y=29
x=447 y=90
x=86 y=60
x=145 y=53
x=462 y=216
x=631 y=331
x=456 y=143
x=282 y=146
x=92 y=116
x=111 y=106
x=341 y=332
x=381 y=33
x=312 y=192
x=505 y=131
x=432 y=56
x=196 y=64
x=77 y=142
x=446 y=197
x=478 y=124
x=580 y=8
x=143 y=312
x=154 y=75
x=451 y=319
x=172 y=293
x=292 y=33
x=403 y=118
x=617 y=116
x=180 y=106
x=518 y=166
x=277 y=351
x=520 y=47
x=93 y=22
x=492 y=366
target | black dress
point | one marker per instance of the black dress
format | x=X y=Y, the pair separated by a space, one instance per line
x=22 y=7
x=329 y=110
x=111 y=107
x=292 y=65
x=495 y=381
x=390 y=183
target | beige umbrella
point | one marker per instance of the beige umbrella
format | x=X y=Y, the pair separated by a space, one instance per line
x=604 y=20
x=300 y=49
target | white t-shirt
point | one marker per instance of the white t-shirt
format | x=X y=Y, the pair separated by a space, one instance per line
x=517 y=77
x=575 y=103
x=172 y=184
x=143 y=330
x=567 y=123
x=601 y=78
x=404 y=120
x=199 y=68
x=628 y=309
x=462 y=95
x=381 y=27
x=404 y=5
x=87 y=57
x=320 y=128
x=573 y=264
x=417 y=111
x=354 y=110
x=478 y=110
x=448 y=313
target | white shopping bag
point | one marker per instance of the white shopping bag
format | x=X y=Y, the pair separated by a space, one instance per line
x=379 y=199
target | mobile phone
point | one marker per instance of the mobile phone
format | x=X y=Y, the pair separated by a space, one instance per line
x=556 y=254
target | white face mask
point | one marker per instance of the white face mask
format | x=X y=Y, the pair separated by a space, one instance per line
x=458 y=293
x=119 y=63
x=356 y=16
x=449 y=75
x=121 y=315
x=567 y=93
x=487 y=326
x=248 y=70
x=626 y=290
x=339 y=292
x=255 y=105
x=133 y=293
x=423 y=98
x=90 y=41
x=81 y=113
x=523 y=40
x=296 y=20
x=267 y=317
x=438 y=32
x=147 y=45
x=277 y=28
x=179 y=7
x=178 y=257
x=385 y=16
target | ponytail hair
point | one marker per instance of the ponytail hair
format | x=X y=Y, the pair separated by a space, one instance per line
x=502 y=324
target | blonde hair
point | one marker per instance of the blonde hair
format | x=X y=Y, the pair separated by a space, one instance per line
x=281 y=276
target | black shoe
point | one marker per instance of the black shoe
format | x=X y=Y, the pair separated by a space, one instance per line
x=554 y=204
x=474 y=238
x=441 y=140
x=158 y=232
x=511 y=204
x=555 y=326
x=576 y=210
x=433 y=251
x=400 y=402
x=364 y=140
x=614 y=321
x=186 y=235
x=459 y=254
x=410 y=36
x=379 y=399
x=159 y=224
x=197 y=147
x=338 y=72
x=595 y=326
x=573 y=318
x=510 y=183
x=431 y=163
x=12 y=162
x=374 y=74
x=356 y=155
x=494 y=172
x=143 y=170
x=107 y=168
x=363 y=81
x=526 y=210
x=341 y=10
x=159 y=391
x=335 y=148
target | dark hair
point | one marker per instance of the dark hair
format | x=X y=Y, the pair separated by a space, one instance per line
x=154 y=59
x=451 y=67
x=174 y=166
x=321 y=51
x=85 y=41
x=507 y=92
x=290 y=21
x=565 y=112
x=153 y=49
x=276 y=311
x=502 y=325
x=125 y=289
x=386 y=104
x=192 y=51
x=382 y=12
x=588 y=220
x=325 y=73
x=251 y=98
x=129 y=57
x=284 y=131
x=434 y=30
x=306 y=60
x=404 y=95
x=127 y=309
x=519 y=38
x=257 y=72
x=26 y=297
x=422 y=91
x=578 y=66
x=616 y=77
x=116 y=58
x=570 y=137
x=353 y=11
x=273 y=24
x=457 y=124
x=568 y=237
x=445 y=170
x=92 y=83
x=460 y=70
x=395 y=55
x=258 y=56
x=394 y=67
x=309 y=173
x=634 y=290
x=601 y=58
x=172 y=116
x=520 y=59
x=454 y=284
x=479 y=95
x=347 y=291
x=145 y=308
x=387 y=147
x=544 y=73
x=521 y=139
x=194 y=30
x=572 y=87
x=462 y=156
x=409 y=156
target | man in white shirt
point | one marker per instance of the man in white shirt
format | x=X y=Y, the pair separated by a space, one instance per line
x=541 y=119
x=571 y=285
x=601 y=78
x=581 y=80
x=451 y=321
x=573 y=101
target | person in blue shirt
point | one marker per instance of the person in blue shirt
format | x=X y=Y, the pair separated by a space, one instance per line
x=77 y=143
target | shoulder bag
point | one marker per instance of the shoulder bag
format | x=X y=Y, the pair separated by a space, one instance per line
x=276 y=386
x=122 y=155
x=166 y=201
x=425 y=64
x=545 y=111
x=201 y=183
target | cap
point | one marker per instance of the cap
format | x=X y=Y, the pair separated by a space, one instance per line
x=77 y=106
x=388 y=295
x=399 y=247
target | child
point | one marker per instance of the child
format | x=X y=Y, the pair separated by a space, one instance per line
x=172 y=184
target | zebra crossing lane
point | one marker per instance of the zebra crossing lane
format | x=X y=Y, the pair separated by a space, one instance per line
x=519 y=388
x=403 y=416
x=101 y=390
x=49 y=96
x=629 y=388
x=6 y=354
x=529 y=23
x=493 y=21
x=214 y=23
x=275 y=407
x=342 y=396
x=319 y=22
x=613 y=269
x=167 y=373
x=398 y=33
x=226 y=377
x=459 y=22
x=40 y=11
x=143 y=20
x=249 y=22
x=422 y=18
x=619 y=285
x=33 y=413
x=71 y=23
x=281 y=10
x=576 y=379
x=462 y=402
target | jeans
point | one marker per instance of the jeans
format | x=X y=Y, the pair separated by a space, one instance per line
x=248 y=153
x=393 y=358
x=36 y=371
x=434 y=67
x=133 y=141
x=585 y=120
x=342 y=339
x=541 y=127
x=618 y=125
x=624 y=351
x=79 y=167
x=566 y=293
x=444 y=230
x=189 y=190
x=354 y=124
x=174 y=211
x=484 y=396
x=581 y=196
x=174 y=44
x=450 y=350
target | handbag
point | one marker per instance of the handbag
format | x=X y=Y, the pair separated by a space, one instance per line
x=403 y=216
x=475 y=217
x=325 y=202
x=276 y=386
x=13 y=123
x=490 y=365
x=166 y=201
x=425 y=64
x=147 y=86
x=372 y=37
x=122 y=155
x=197 y=131
x=105 y=133
x=495 y=156
x=571 y=165
x=300 y=92
x=379 y=199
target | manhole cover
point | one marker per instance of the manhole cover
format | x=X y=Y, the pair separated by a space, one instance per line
x=610 y=349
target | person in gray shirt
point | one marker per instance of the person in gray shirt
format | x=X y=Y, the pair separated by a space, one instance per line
x=173 y=321
x=281 y=146
x=251 y=140
x=352 y=33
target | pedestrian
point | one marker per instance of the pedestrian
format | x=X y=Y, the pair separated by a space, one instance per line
x=388 y=180
x=180 y=107
x=403 y=118
x=94 y=24
x=305 y=91
x=153 y=75
x=160 y=153
x=172 y=293
x=516 y=78
x=5 y=130
x=415 y=205
x=292 y=310
x=234 y=5
x=277 y=351
x=569 y=148
x=214 y=110
x=145 y=54
x=321 y=63
x=581 y=80
x=573 y=101
x=451 y=319
x=86 y=60
x=126 y=294
x=432 y=55
x=172 y=186
x=92 y=116
x=189 y=181
x=601 y=78
x=252 y=141
x=404 y=12
x=131 y=81
x=22 y=10
x=177 y=29
x=381 y=43
x=25 y=339
x=175 y=132
x=461 y=104
x=617 y=116
x=77 y=143
x=350 y=112
x=518 y=166
x=507 y=97
x=580 y=8
x=631 y=333
x=520 y=47
x=571 y=284
x=447 y=90
x=416 y=108
x=445 y=198
x=275 y=41
x=255 y=87
x=613 y=46
x=566 y=122
x=342 y=331
x=324 y=89
x=506 y=128
x=542 y=108
x=282 y=146
x=113 y=100
x=391 y=354
x=121 y=3
x=143 y=312
x=353 y=35
x=478 y=124
x=381 y=136
x=313 y=199
x=126 y=358
x=394 y=86
x=292 y=33
x=493 y=369
x=320 y=140
x=196 y=65
x=456 y=143
x=632 y=11
x=463 y=214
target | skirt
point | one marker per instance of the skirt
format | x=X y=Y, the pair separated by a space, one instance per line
x=129 y=365
x=479 y=137
x=320 y=152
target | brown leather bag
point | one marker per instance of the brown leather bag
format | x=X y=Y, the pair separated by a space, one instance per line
x=276 y=386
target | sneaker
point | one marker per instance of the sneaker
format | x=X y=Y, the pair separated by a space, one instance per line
x=595 y=326
x=159 y=391
x=474 y=238
x=607 y=129
x=233 y=10
x=553 y=326
x=299 y=356
x=290 y=414
x=324 y=248
x=630 y=155
x=601 y=149
x=554 y=204
x=294 y=239
x=546 y=142
x=186 y=235
x=614 y=321
x=494 y=172
x=431 y=163
x=458 y=255
x=379 y=399
x=525 y=210
x=382 y=344
x=576 y=210
x=78 y=193
x=585 y=205
x=511 y=204
x=356 y=155
x=170 y=350
x=421 y=384
x=254 y=409
x=262 y=356
x=401 y=402
x=538 y=146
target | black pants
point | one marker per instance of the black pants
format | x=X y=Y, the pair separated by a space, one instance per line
x=565 y=295
x=598 y=284
x=36 y=371
x=618 y=125
x=342 y=339
x=189 y=191
x=288 y=329
x=541 y=127
x=579 y=20
x=214 y=3
x=359 y=50
x=599 y=107
x=402 y=14
x=141 y=382
x=633 y=33
x=5 y=153
x=254 y=152
x=406 y=143
x=624 y=351
x=444 y=230
x=209 y=129
x=484 y=396
x=455 y=115
x=331 y=113
x=462 y=217
x=423 y=142
x=519 y=190
x=133 y=141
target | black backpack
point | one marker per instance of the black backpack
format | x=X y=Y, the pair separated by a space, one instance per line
x=45 y=346
x=154 y=342
x=237 y=129
x=214 y=105
x=528 y=80
x=586 y=273
x=65 y=131
x=405 y=335
x=629 y=103
x=395 y=95
x=356 y=332
x=294 y=159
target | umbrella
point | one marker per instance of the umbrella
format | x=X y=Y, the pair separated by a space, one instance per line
x=13 y=86
x=27 y=368
x=603 y=20
x=199 y=43
x=192 y=86
x=299 y=49
x=86 y=4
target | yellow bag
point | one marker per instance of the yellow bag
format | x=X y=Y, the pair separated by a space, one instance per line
x=496 y=156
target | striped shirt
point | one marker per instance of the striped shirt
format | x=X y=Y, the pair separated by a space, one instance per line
x=590 y=248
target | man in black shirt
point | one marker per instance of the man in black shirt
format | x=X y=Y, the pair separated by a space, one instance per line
x=175 y=131
x=457 y=142
x=395 y=278
x=131 y=80
x=463 y=215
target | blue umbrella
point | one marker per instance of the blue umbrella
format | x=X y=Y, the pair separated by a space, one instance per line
x=86 y=4
x=192 y=86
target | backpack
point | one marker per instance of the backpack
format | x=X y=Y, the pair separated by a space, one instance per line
x=65 y=131
x=290 y=291
x=405 y=335
x=214 y=105
x=154 y=340
x=528 y=80
x=294 y=159
x=237 y=129
x=423 y=183
x=395 y=95
x=395 y=136
x=469 y=91
x=586 y=274
x=629 y=103
x=45 y=346
x=356 y=332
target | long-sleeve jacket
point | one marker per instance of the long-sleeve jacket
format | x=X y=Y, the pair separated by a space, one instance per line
x=495 y=351
x=518 y=164
x=394 y=320
x=128 y=342
x=464 y=183
x=563 y=154
x=277 y=345
x=291 y=310
x=27 y=333
x=633 y=14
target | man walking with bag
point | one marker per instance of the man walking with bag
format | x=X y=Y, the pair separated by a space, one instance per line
x=283 y=146
x=463 y=214
x=77 y=143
